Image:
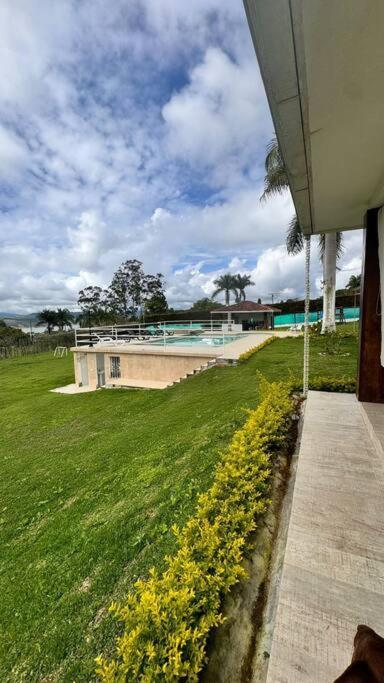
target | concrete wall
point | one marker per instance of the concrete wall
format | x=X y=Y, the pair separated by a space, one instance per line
x=141 y=366
x=91 y=364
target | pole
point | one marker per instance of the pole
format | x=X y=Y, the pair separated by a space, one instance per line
x=306 y=314
x=89 y=329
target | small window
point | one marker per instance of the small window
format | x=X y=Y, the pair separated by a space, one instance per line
x=115 y=367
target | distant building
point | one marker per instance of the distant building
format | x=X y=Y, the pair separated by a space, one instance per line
x=248 y=315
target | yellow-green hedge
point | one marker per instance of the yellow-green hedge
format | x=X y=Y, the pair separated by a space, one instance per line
x=168 y=617
x=247 y=354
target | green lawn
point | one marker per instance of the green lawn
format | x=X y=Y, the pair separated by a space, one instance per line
x=89 y=488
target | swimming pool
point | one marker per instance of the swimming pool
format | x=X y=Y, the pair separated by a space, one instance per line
x=196 y=341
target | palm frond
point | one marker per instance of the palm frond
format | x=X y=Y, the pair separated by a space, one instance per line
x=294 y=238
x=276 y=179
x=216 y=292
x=339 y=245
x=273 y=156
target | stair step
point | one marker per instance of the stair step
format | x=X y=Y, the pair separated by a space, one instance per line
x=196 y=371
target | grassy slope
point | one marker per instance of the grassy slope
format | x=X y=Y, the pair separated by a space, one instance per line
x=90 y=486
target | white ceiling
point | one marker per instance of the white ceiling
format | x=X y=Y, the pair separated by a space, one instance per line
x=322 y=63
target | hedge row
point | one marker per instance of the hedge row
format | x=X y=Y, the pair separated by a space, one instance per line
x=247 y=354
x=168 y=617
x=340 y=384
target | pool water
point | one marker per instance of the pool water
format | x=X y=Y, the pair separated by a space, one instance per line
x=196 y=341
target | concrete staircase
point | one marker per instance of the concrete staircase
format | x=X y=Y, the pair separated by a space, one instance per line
x=205 y=366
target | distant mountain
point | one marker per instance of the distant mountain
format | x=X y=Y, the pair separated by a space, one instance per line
x=24 y=317
x=19 y=317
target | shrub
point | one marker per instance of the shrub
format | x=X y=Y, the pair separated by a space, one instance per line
x=167 y=618
x=315 y=329
x=340 y=384
x=12 y=335
x=248 y=354
x=348 y=330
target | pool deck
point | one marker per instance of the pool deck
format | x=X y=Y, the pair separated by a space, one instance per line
x=333 y=569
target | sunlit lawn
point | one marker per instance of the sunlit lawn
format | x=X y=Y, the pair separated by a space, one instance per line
x=90 y=486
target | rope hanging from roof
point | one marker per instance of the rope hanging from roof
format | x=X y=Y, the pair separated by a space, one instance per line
x=307 y=289
x=380 y=232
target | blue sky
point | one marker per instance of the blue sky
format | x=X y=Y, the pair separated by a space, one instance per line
x=135 y=130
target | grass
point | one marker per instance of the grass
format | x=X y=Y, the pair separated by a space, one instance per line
x=90 y=487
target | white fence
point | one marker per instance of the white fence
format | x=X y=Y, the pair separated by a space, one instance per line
x=146 y=331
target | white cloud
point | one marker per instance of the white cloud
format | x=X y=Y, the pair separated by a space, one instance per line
x=13 y=154
x=213 y=119
x=89 y=241
x=134 y=130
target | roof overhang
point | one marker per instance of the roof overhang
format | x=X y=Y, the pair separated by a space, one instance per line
x=225 y=311
x=322 y=63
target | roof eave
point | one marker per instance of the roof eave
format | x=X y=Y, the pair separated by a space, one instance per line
x=272 y=29
x=229 y=310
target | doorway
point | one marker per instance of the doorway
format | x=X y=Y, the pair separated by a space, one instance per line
x=83 y=366
x=100 y=369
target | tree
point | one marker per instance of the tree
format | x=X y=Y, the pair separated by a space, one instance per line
x=241 y=282
x=153 y=296
x=3 y=323
x=330 y=250
x=354 y=282
x=204 y=304
x=225 y=283
x=156 y=304
x=130 y=291
x=127 y=289
x=276 y=182
x=93 y=304
x=11 y=336
x=64 y=318
x=47 y=317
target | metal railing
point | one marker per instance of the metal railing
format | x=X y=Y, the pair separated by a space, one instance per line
x=140 y=332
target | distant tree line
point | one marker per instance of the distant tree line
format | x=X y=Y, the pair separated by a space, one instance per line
x=13 y=338
x=132 y=295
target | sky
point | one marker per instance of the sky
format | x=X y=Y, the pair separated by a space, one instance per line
x=137 y=129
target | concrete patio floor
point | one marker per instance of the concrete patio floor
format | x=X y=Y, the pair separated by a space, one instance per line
x=73 y=389
x=333 y=569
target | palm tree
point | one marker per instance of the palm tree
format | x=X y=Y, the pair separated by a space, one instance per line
x=47 y=317
x=330 y=245
x=64 y=318
x=354 y=282
x=330 y=249
x=241 y=282
x=225 y=283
